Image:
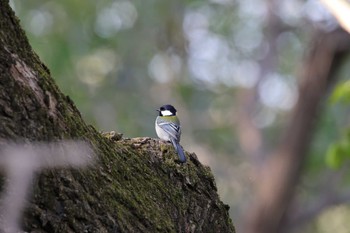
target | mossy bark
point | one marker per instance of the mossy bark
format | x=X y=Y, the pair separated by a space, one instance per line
x=135 y=185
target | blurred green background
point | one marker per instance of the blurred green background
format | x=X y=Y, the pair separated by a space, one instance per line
x=228 y=66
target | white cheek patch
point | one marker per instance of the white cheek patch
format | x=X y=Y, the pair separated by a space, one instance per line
x=166 y=113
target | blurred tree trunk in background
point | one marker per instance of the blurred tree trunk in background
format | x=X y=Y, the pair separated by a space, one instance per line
x=133 y=187
x=280 y=173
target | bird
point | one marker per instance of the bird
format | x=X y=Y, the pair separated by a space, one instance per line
x=168 y=128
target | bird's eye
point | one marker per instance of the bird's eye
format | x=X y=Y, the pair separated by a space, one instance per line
x=162 y=109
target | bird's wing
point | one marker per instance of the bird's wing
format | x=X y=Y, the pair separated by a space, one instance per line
x=171 y=128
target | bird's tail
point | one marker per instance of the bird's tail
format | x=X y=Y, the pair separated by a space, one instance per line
x=179 y=151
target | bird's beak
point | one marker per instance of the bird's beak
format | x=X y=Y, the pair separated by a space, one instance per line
x=157 y=110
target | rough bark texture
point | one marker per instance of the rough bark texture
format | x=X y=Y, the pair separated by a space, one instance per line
x=135 y=186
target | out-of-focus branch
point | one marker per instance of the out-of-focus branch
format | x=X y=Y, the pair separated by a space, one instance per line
x=250 y=136
x=299 y=213
x=340 y=10
x=313 y=210
x=281 y=171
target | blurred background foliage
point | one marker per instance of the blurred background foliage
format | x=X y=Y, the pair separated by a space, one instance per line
x=218 y=62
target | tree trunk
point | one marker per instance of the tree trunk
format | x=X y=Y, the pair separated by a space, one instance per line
x=133 y=187
x=280 y=173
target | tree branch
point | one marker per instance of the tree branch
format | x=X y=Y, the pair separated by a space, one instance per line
x=134 y=186
x=340 y=10
x=281 y=171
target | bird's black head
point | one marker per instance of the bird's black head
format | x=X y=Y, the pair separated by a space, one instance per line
x=167 y=110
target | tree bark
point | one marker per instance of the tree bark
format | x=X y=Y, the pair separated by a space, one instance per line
x=135 y=186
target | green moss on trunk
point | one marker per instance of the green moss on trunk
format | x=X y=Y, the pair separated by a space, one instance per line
x=134 y=185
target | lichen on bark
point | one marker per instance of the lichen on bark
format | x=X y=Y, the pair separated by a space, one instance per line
x=135 y=185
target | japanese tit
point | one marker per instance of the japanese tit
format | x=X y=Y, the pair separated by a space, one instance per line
x=168 y=128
